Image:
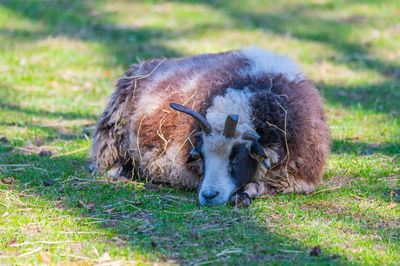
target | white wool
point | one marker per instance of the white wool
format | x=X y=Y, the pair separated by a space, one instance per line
x=148 y=103
x=233 y=102
x=189 y=85
x=269 y=62
x=152 y=97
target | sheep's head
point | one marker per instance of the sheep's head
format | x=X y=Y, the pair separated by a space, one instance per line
x=229 y=162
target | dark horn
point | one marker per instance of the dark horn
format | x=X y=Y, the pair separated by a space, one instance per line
x=230 y=125
x=249 y=135
x=205 y=126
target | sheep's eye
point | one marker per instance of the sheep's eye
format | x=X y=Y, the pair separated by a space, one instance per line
x=195 y=154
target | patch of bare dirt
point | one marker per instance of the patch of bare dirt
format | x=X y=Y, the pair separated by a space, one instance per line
x=45 y=257
x=11 y=242
x=76 y=246
x=315 y=251
x=41 y=150
x=338 y=181
x=393 y=195
x=388 y=225
x=8 y=180
x=355 y=19
x=349 y=94
x=45 y=153
x=328 y=208
x=394 y=28
x=151 y=187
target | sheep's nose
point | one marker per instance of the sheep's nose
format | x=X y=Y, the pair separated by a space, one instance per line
x=209 y=193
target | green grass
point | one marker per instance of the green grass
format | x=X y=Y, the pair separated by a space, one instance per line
x=58 y=63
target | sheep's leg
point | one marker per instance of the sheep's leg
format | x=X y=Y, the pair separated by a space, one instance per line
x=127 y=171
x=121 y=171
x=254 y=189
x=251 y=190
x=115 y=171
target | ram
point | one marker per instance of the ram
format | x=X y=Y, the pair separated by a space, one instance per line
x=234 y=125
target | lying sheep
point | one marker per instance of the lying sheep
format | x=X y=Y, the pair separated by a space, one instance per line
x=235 y=125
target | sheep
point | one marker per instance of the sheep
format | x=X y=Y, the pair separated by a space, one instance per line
x=234 y=125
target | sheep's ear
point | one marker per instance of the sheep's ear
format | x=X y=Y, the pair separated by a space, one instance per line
x=258 y=153
x=194 y=155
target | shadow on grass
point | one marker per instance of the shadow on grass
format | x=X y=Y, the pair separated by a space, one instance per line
x=60 y=128
x=81 y=20
x=168 y=224
x=308 y=22
x=353 y=219
x=68 y=115
x=77 y=19
x=363 y=148
x=51 y=133
x=381 y=97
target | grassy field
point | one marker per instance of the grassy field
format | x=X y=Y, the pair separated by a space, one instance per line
x=59 y=60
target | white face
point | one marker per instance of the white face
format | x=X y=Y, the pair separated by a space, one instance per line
x=229 y=164
x=217 y=185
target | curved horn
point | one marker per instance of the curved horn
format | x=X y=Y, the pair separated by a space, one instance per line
x=205 y=126
x=249 y=135
x=230 y=125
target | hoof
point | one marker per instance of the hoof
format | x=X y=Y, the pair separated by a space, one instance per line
x=114 y=172
x=241 y=199
x=91 y=168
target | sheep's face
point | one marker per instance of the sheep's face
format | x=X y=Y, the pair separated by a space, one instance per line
x=229 y=160
x=229 y=164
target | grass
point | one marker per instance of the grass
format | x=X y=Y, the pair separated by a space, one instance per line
x=58 y=63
